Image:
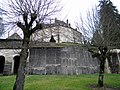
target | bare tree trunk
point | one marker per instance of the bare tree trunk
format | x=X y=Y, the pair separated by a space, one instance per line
x=102 y=57
x=101 y=73
x=19 y=83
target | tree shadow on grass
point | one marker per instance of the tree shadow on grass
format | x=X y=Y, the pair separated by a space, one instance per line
x=106 y=87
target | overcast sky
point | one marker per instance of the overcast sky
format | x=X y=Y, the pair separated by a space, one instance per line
x=73 y=8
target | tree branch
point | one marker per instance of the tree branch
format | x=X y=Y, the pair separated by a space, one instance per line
x=25 y=17
x=38 y=26
x=94 y=54
x=20 y=25
x=33 y=17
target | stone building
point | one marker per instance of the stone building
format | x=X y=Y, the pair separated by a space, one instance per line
x=61 y=31
x=70 y=60
x=46 y=58
x=49 y=58
x=9 y=54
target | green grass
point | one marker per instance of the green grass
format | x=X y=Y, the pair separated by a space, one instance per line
x=60 y=82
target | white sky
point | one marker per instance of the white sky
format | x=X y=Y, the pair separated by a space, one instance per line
x=73 y=8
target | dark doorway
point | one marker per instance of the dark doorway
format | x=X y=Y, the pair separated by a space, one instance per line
x=16 y=64
x=2 y=62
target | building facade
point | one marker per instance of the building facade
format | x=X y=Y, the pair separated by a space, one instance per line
x=61 y=31
x=70 y=60
x=45 y=58
x=51 y=58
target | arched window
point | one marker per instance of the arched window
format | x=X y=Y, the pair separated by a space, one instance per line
x=2 y=62
x=16 y=63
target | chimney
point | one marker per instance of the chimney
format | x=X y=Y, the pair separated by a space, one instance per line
x=67 y=21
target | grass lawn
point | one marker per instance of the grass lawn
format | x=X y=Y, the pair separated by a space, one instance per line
x=60 y=82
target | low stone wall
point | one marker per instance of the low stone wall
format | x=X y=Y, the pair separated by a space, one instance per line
x=67 y=60
x=53 y=58
x=9 y=55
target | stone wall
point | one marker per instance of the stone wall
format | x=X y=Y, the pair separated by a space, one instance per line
x=114 y=63
x=9 y=55
x=68 y=60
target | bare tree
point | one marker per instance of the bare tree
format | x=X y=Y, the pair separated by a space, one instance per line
x=99 y=30
x=28 y=15
x=2 y=30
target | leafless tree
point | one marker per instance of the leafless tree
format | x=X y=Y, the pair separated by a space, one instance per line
x=97 y=36
x=28 y=15
x=2 y=30
x=88 y=25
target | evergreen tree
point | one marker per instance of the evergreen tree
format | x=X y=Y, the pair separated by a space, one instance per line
x=110 y=23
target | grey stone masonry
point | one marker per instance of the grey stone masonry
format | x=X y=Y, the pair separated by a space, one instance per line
x=62 y=60
x=7 y=69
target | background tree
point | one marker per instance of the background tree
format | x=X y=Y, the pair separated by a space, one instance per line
x=110 y=24
x=1 y=23
x=101 y=29
x=110 y=21
x=28 y=15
